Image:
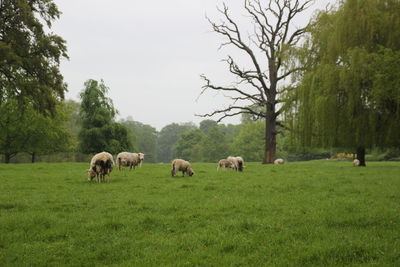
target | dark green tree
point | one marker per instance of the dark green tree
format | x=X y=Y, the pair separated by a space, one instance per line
x=188 y=145
x=144 y=138
x=248 y=144
x=30 y=54
x=48 y=134
x=168 y=138
x=215 y=145
x=206 y=125
x=349 y=97
x=27 y=130
x=99 y=130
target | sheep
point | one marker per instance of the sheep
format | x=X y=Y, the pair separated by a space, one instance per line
x=240 y=163
x=279 y=161
x=141 y=157
x=100 y=166
x=183 y=166
x=234 y=162
x=224 y=163
x=356 y=162
x=127 y=159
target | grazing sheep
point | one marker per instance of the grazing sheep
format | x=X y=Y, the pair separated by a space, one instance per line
x=356 y=163
x=224 y=163
x=100 y=166
x=279 y=161
x=240 y=163
x=183 y=166
x=127 y=159
x=234 y=162
x=135 y=160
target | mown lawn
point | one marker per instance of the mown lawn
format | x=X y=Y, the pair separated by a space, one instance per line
x=319 y=213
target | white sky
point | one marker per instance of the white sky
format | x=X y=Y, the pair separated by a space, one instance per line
x=150 y=54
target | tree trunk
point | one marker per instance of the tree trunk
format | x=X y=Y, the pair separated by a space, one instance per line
x=361 y=156
x=270 y=135
x=33 y=157
x=7 y=157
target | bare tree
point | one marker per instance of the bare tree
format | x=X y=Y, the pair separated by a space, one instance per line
x=268 y=48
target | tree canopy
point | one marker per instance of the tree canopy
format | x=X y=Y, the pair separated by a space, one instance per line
x=350 y=94
x=99 y=130
x=30 y=131
x=30 y=55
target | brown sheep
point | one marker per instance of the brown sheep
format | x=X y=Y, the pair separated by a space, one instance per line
x=183 y=166
x=224 y=163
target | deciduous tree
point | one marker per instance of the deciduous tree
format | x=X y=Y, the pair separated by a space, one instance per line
x=268 y=50
x=99 y=130
x=30 y=54
x=349 y=96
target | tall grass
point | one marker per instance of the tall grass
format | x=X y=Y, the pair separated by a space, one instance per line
x=299 y=214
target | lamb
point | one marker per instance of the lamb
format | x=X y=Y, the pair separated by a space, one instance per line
x=279 y=161
x=234 y=162
x=224 y=163
x=356 y=162
x=100 y=166
x=183 y=166
x=127 y=159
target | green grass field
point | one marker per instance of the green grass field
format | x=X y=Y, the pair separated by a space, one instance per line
x=319 y=213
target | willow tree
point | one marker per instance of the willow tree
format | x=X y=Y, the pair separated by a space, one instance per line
x=349 y=96
x=30 y=54
x=258 y=88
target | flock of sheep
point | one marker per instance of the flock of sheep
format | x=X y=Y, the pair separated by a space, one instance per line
x=103 y=163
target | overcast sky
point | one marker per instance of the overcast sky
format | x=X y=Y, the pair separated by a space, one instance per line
x=150 y=54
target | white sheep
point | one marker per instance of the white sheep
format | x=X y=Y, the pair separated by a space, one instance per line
x=356 y=162
x=127 y=159
x=279 y=161
x=141 y=157
x=224 y=163
x=234 y=161
x=100 y=166
x=183 y=166
x=240 y=163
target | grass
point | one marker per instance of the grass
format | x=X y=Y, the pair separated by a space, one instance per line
x=319 y=213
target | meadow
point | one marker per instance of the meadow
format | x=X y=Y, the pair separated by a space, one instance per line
x=317 y=213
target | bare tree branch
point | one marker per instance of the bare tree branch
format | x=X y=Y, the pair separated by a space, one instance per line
x=274 y=37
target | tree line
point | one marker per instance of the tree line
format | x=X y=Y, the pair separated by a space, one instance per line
x=89 y=126
x=332 y=84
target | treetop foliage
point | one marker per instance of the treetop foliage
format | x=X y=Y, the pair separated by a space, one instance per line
x=350 y=94
x=29 y=55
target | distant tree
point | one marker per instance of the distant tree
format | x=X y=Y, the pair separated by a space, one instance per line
x=206 y=125
x=26 y=130
x=268 y=50
x=99 y=131
x=349 y=97
x=168 y=138
x=30 y=54
x=144 y=138
x=248 y=144
x=189 y=144
x=215 y=145
x=12 y=134
x=48 y=134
